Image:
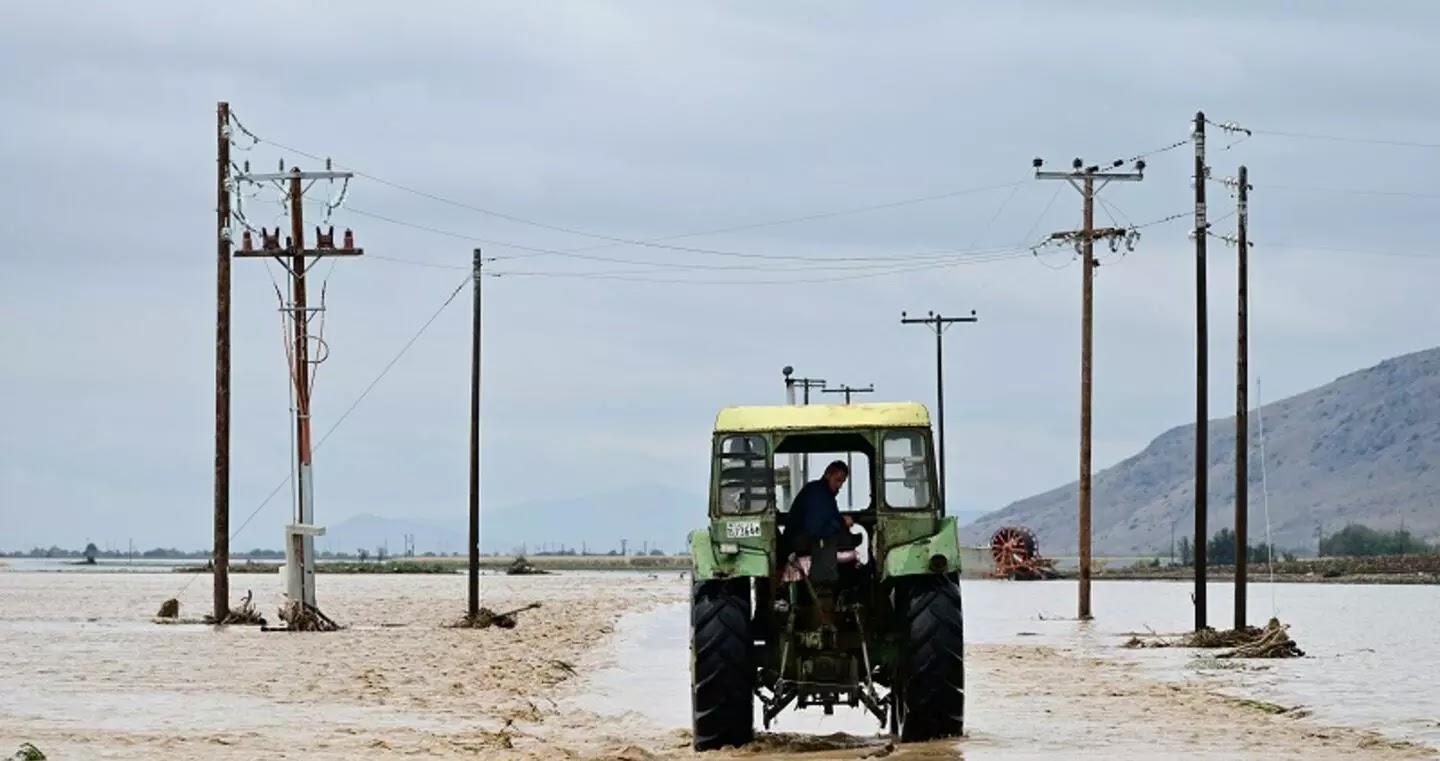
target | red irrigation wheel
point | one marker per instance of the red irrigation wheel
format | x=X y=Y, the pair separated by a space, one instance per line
x=1012 y=547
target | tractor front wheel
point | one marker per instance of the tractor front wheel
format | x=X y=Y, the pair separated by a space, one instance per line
x=932 y=676
x=723 y=676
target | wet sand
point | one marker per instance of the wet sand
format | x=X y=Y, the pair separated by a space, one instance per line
x=90 y=676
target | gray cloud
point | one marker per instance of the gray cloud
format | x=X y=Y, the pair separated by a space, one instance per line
x=655 y=119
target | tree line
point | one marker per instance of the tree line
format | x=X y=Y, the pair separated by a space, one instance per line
x=1355 y=540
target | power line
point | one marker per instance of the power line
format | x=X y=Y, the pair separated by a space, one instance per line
x=1347 y=139
x=617 y=240
x=635 y=277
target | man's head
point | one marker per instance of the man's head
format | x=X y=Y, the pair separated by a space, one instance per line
x=835 y=475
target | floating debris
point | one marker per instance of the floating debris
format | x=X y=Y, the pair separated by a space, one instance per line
x=169 y=609
x=523 y=567
x=1250 y=642
x=486 y=618
x=243 y=615
x=28 y=752
x=300 y=617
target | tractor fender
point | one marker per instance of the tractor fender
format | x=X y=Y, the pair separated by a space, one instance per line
x=710 y=561
x=934 y=554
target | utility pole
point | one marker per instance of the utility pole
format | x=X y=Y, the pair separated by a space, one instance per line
x=806 y=384
x=297 y=260
x=1083 y=178
x=939 y=324
x=847 y=390
x=794 y=459
x=1202 y=415
x=220 y=554
x=473 y=606
x=1242 y=400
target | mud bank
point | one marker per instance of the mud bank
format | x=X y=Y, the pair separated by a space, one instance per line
x=90 y=676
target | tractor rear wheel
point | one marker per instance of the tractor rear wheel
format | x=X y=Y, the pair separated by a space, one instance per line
x=723 y=677
x=932 y=675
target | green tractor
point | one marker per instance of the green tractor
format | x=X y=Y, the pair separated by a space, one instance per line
x=878 y=625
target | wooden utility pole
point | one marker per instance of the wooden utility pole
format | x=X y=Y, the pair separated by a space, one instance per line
x=1202 y=415
x=939 y=324
x=1083 y=179
x=300 y=536
x=1242 y=400
x=220 y=554
x=474 y=601
x=848 y=390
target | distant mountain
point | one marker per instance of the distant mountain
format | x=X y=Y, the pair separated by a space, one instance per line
x=643 y=516
x=1362 y=449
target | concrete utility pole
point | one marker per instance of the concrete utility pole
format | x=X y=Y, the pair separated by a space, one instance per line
x=220 y=554
x=300 y=536
x=1242 y=398
x=794 y=459
x=939 y=324
x=847 y=390
x=1202 y=415
x=1083 y=178
x=473 y=606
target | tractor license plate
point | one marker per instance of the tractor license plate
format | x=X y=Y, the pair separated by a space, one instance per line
x=742 y=529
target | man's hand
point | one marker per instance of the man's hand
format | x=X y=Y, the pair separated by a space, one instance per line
x=848 y=521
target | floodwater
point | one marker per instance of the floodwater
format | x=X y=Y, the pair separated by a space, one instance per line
x=601 y=671
x=1372 y=649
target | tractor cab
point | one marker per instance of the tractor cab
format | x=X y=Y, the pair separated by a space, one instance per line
x=848 y=619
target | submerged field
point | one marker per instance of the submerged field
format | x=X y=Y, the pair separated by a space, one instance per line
x=600 y=671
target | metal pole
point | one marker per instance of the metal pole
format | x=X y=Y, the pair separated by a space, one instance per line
x=301 y=375
x=795 y=483
x=1242 y=403
x=1202 y=456
x=1087 y=310
x=474 y=597
x=220 y=555
x=940 y=397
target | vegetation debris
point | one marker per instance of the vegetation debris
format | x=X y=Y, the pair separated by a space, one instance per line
x=28 y=752
x=523 y=567
x=1273 y=641
x=485 y=618
x=301 y=617
x=169 y=609
x=243 y=615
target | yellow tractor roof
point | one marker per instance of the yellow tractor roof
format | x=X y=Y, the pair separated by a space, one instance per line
x=799 y=417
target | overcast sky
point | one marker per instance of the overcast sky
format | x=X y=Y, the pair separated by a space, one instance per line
x=638 y=120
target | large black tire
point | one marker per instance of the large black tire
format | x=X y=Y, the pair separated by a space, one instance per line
x=932 y=673
x=723 y=683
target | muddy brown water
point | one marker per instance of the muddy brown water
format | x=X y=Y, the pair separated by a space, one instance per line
x=88 y=675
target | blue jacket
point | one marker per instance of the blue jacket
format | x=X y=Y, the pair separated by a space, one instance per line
x=814 y=514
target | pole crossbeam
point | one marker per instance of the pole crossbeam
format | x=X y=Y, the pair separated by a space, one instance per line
x=939 y=324
x=1085 y=179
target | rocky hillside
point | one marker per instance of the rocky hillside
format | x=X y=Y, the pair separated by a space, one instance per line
x=1362 y=449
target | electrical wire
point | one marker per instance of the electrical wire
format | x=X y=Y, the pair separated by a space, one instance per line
x=1347 y=139
x=1350 y=191
x=636 y=276
x=383 y=372
x=618 y=240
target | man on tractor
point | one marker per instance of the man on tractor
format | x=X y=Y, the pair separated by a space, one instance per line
x=814 y=515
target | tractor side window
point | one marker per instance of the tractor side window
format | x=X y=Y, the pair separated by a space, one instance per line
x=746 y=480
x=906 y=474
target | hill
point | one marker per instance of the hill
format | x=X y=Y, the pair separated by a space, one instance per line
x=1361 y=449
x=658 y=515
